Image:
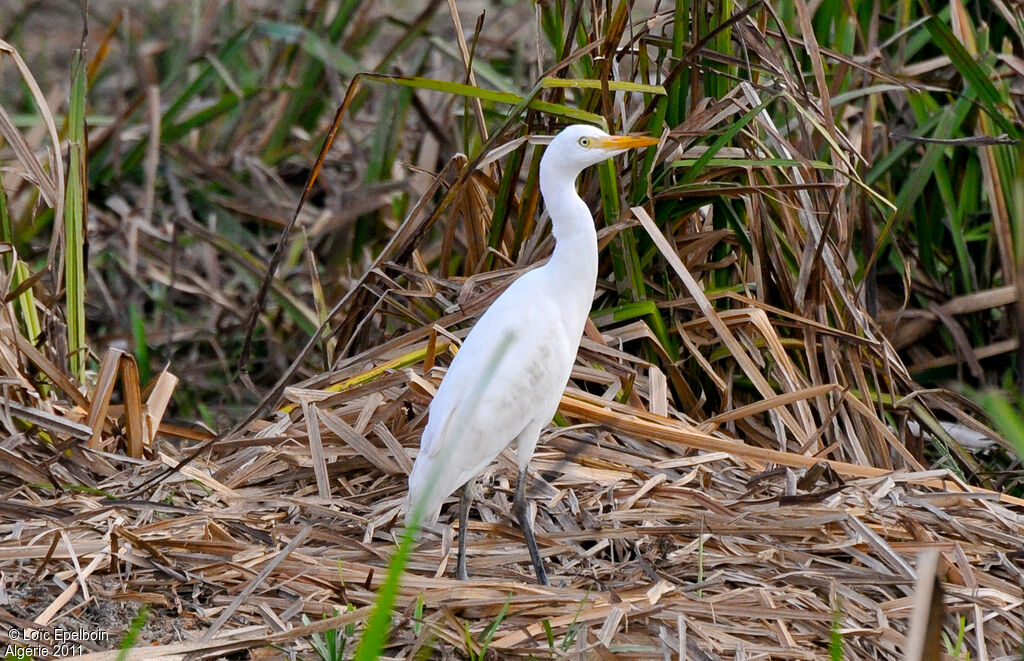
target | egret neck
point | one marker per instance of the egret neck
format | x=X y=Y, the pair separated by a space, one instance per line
x=573 y=263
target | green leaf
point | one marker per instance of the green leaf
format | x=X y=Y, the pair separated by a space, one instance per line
x=312 y=44
x=132 y=634
x=548 y=632
x=635 y=310
x=461 y=89
x=1006 y=417
x=698 y=166
x=74 y=221
x=138 y=325
x=751 y=163
x=613 y=85
x=993 y=103
x=488 y=634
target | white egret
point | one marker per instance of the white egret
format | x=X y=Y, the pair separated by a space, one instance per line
x=526 y=341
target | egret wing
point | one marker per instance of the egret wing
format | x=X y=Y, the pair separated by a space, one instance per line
x=510 y=371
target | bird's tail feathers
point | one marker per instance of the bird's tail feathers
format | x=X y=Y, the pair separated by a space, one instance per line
x=431 y=499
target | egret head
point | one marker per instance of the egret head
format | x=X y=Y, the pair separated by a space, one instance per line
x=579 y=146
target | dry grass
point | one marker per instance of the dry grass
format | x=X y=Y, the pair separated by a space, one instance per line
x=651 y=545
x=734 y=473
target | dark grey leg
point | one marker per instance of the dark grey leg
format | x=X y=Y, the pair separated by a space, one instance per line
x=464 y=501
x=523 y=514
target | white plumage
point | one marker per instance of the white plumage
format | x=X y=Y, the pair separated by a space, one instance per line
x=507 y=379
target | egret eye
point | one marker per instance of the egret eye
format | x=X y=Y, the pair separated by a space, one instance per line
x=584 y=142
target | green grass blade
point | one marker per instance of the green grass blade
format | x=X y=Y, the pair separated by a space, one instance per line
x=313 y=45
x=930 y=228
x=307 y=102
x=25 y=303
x=483 y=69
x=548 y=633
x=141 y=351
x=192 y=93
x=471 y=91
x=500 y=214
x=751 y=163
x=613 y=85
x=975 y=76
x=1006 y=416
x=625 y=259
x=890 y=162
x=639 y=310
x=835 y=646
x=6 y=229
x=492 y=628
x=698 y=166
x=675 y=109
x=131 y=636
x=226 y=104
x=74 y=221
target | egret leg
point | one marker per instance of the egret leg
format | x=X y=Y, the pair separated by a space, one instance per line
x=523 y=514
x=465 y=497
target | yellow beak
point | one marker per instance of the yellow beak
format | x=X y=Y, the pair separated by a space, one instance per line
x=617 y=142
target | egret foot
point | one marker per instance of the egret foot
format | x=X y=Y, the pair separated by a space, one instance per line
x=465 y=497
x=523 y=514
